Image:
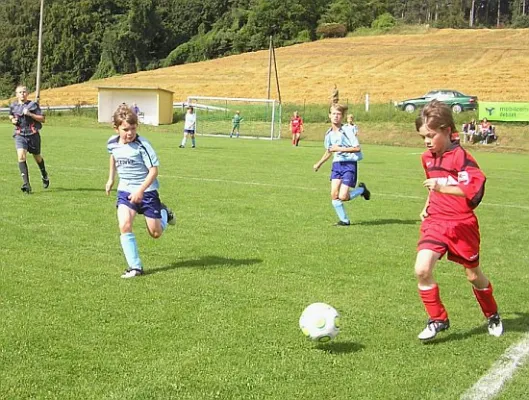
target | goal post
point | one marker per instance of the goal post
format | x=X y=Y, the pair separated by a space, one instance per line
x=237 y=117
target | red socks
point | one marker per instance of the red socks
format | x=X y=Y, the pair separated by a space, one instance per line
x=486 y=300
x=432 y=302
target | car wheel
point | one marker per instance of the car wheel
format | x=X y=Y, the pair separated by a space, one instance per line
x=409 y=108
x=456 y=108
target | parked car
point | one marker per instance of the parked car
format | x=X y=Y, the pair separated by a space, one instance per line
x=456 y=100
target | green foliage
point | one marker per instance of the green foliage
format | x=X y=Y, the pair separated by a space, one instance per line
x=384 y=21
x=331 y=30
x=521 y=21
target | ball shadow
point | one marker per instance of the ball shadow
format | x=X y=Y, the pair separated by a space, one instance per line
x=341 y=347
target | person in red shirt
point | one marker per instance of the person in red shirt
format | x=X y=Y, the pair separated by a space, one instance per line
x=456 y=186
x=296 y=127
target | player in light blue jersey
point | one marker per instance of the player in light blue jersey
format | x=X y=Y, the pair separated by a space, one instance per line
x=136 y=164
x=342 y=144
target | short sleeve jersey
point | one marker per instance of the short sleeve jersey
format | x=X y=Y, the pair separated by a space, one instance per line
x=236 y=120
x=133 y=161
x=26 y=126
x=296 y=123
x=455 y=167
x=344 y=137
x=190 y=121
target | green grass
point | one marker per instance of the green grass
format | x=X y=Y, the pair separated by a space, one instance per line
x=217 y=314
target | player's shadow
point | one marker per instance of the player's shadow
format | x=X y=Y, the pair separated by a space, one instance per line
x=340 y=347
x=519 y=323
x=72 y=189
x=388 y=221
x=206 y=262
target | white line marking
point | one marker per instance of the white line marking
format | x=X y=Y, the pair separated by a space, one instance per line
x=500 y=373
x=272 y=185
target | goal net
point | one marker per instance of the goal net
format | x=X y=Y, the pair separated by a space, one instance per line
x=237 y=117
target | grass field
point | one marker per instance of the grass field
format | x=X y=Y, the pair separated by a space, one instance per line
x=216 y=315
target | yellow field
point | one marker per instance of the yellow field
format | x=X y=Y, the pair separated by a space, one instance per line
x=491 y=64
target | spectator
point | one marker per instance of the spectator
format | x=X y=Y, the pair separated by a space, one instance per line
x=334 y=98
x=487 y=132
x=469 y=131
x=136 y=109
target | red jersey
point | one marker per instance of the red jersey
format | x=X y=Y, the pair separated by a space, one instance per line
x=455 y=167
x=295 y=124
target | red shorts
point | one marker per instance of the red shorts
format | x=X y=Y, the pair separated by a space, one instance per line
x=295 y=131
x=460 y=239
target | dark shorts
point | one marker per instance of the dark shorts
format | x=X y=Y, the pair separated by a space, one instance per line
x=346 y=171
x=150 y=205
x=29 y=143
x=460 y=239
x=190 y=131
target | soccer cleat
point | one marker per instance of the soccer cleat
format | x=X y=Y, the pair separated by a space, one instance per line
x=367 y=194
x=181 y=146
x=495 y=325
x=433 y=328
x=171 y=219
x=342 y=223
x=45 y=182
x=132 y=273
x=26 y=188
x=193 y=146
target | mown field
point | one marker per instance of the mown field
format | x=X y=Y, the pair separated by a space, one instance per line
x=491 y=64
x=216 y=315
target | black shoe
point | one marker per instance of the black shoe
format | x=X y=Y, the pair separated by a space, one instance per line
x=193 y=146
x=433 y=328
x=342 y=223
x=367 y=194
x=181 y=146
x=45 y=182
x=26 y=188
x=495 y=325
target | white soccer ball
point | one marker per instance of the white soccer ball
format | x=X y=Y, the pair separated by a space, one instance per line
x=320 y=322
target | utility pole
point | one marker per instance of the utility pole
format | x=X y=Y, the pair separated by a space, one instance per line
x=39 y=53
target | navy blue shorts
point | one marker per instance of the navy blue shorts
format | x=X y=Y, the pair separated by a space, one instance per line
x=29 y=143
x=346 y=171
x=190 y=131
x=150 y=205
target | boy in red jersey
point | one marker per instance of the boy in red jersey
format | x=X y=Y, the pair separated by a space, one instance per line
x=456 y=186
x=296 y=127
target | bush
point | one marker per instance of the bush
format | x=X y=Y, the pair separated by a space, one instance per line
x=521 y=21
x=384 y=21
x=331 y=30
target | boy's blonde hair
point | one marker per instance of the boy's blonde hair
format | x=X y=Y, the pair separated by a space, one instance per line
x=338 y=107
x=437 y=116
x=124 y=113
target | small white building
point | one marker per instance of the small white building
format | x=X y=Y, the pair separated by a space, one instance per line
x=155 y=104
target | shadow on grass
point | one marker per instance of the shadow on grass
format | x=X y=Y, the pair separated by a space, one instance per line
x=391 y=221
x=340 y=347
x=520 y=323
x=206 y=262
x=74 y=189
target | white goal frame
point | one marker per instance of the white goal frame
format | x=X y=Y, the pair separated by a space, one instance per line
x=195 y=101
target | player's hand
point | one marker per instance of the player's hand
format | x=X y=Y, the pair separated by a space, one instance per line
x=316 y=167
x=423 y=214
x=431 y=184
x=136 y=197
x=108 y=186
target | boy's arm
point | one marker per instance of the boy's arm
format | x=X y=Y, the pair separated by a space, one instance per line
x=343 y=149
x=424 y=212
x=111 y=175
x=137 y=196
x=433 y=185
x=322 y=161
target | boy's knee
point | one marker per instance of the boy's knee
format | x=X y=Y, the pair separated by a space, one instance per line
x=344 y=197
x=156 y=234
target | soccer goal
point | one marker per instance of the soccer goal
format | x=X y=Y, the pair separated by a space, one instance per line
x=237 y=117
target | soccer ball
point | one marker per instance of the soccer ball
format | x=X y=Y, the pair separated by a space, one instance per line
x=320 y=322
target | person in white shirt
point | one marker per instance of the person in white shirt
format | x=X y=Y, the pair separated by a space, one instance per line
x=189 y=127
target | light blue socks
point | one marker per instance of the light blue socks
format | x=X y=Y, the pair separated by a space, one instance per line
x=355 y=193
x=130 y=249
x=165 y=217
x=340 y=210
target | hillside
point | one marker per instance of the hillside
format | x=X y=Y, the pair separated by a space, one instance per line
x=491 y=64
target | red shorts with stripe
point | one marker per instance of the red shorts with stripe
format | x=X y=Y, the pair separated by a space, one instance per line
x=460 y=239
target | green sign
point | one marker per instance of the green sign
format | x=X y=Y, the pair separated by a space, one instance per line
x=503 y=111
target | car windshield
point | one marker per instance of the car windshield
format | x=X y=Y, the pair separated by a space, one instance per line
x=433 y=93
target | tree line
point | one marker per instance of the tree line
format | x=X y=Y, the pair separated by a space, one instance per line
x=91 y=39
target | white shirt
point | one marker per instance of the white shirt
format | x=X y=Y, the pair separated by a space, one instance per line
x=191 y=119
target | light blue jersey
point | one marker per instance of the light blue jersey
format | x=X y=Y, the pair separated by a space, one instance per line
x=133 y=161
x=344 y=137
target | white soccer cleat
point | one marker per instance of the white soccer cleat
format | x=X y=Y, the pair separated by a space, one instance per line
x=495 y=325
x=433 y=328
x=132 y=273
